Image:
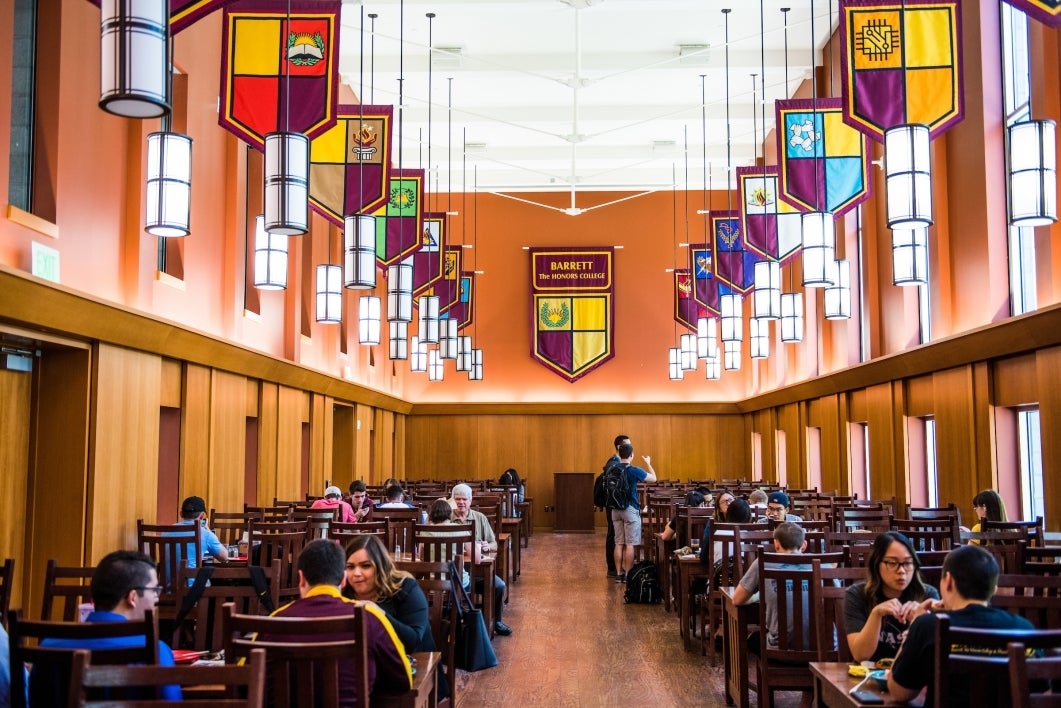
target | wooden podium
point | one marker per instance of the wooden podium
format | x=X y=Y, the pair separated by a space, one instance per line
x=574 y=502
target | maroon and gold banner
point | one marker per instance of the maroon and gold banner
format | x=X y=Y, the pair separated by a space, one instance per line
x=1046 y=11
x=280 y=68
x=901 y=64
x=686 y=309
x=448 y=286
x=400 y=223
x=572 y=293
x=184 y=13
x=771 y=227
x=429 y=261
x=463 y=309
x=705 y=284
x=349 y=164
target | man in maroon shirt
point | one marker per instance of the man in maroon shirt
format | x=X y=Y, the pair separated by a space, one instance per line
x=321 y=575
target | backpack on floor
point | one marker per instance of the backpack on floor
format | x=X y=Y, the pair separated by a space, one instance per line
x=617 y=486
x=642 y=584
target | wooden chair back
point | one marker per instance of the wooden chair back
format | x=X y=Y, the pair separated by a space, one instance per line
x=1045 y=560
x=172 y=547
x=284 y=541
x=726 y=571
x=850 y=518
x=935 y=512
x=50 y=679
x=696 y=520
x=7 y=577
x=442 y=611
x=96 y=686
x=317 y=520
x=836 y=540
x=203 y=624
x=1033 y=680
x=342 y=532
x=440 y=543
x=802 y=635
x=1036 y=598
x=294 y=503
x=939 y=534
x=984 y=674
x=931 y=566
x=400 y=523
x=835 y=582
x=813 y=509
x=68 y=583
x=228 y=526
x=299 y=672
x=1033 y=530
x=266 y=513
x=1006 y=546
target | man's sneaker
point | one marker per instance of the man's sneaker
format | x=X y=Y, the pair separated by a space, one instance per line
x=620 y=578
x=503 y=629
x=611 y=573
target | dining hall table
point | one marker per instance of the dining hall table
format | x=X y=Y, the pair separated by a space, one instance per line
x=736 y=625
x=833 y=685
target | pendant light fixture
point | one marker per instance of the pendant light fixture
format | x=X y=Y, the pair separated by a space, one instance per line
x=400 y=292
x=908 y=176
x=368 y=320
x=687 y=345
x=1032 y=173
x=731 y=355
x=910 y=256
x=707 y=338
x=447 y=338
x=417 y=355
x=838 y=296
x=674 y=365
x=134 y=58
x=359 y=230
x=429 y=322
x=766 y=299
x=713 y=368
x=817 y=227
x=329 y=294
x=791 y=317
x=286 y=183
x=464 y=353
x=476 y=372
x=398 y=338
x=732 y=318
x=475 y=362
x=169 y=183
x=759 y=336
x=270 y=258
x=435 y=366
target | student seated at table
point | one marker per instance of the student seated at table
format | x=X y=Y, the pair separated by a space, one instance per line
x=333 y=499
x=738 y=511
x=970 y=576
x=693 y=500
x=395 y=496
x=124 y=585
x=879 y=610
x=193 y=511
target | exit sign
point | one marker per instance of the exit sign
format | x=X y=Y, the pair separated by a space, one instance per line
x=45 y=262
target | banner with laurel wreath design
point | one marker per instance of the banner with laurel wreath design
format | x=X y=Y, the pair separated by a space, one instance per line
x=573 y=296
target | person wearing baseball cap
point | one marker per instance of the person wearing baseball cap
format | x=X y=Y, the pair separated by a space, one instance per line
x=193 y=511
x=333 y=499
x=777 y=504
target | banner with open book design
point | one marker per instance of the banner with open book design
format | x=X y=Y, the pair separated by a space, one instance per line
x=573 y=300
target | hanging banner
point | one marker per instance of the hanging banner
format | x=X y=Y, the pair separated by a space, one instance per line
x=463 y=308
x=447 y=287
x=349 y=164
x=901 y=63
x=734 y=264
x=705 y=284
x=824 y=161
x=185 y=13
x=771 y=227
x=280 y=68
x=429 y=261
x=399 y=232
x=573 y=309
x=686 y=309
x=1046 y=11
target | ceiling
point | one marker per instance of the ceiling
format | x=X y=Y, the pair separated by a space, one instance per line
x=578 y=95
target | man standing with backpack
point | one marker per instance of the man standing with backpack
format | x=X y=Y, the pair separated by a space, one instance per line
x=600 y=501
x=620 y=482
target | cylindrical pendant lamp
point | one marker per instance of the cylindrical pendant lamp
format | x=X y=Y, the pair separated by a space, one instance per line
x=1032 y=173
x=766 y=298
x=270 y=258
x=329 y=294
x=417 y=355
x=674 y=355
x=791 y=317
x=908 y=176
x=169 y=184
x=368 y=320
x=398 y=337
x=476 y=372
x=732 y=318
x=359 y=247
x=286 y=183
x=429 y=322
x=759 y=331
x=731 y=356
x=134 y=61
x=400 y=292
x=819 y=248
x=910 y=256
x=707 y=338
x=838 y=297
x=436 y=369
x=447 y=338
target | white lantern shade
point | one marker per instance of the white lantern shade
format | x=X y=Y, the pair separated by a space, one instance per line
x=398 y=338
x=286 y=183
x=368 y=320
x=429 y=322
x=732 y=318
x=908 y=176
x=400 y=292
x=359 y=248
x=910 y=256
x=759 y=331
x=713 y=368
x=417 y=355
x=435 y=366
x=687 y=344
x=838 y=297
x=476 y=372
x=169 y=184
x=707 y=338
x=447 y=338
x=766 y=298
x=731 y=356
x=329 y=294
x=791 y=317
x=464 y=353
x=270 y=258
x=134 y=61
x=819 y=248
x=674 y=355
x=1033 y=173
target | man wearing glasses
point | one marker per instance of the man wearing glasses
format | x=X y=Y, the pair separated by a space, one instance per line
x=777 y=509
x=124 y=585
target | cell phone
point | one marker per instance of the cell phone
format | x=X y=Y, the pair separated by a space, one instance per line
x=868 y=697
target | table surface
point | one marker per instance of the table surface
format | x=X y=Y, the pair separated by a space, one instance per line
x=832 y=686
x=422 y=694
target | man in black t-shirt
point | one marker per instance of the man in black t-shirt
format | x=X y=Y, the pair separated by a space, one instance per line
x=970 y=575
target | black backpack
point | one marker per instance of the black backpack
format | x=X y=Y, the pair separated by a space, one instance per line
x=642 y=584
x=616 y=487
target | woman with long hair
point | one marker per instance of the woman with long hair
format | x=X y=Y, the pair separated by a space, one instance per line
x=693 y=500
x=879 y=610
x=989 y=506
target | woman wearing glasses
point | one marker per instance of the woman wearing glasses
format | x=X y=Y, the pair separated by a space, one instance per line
x=879 y=610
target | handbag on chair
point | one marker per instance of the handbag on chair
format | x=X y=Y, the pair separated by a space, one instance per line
x=473 y=650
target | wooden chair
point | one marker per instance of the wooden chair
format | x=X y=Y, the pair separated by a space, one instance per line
x=813 y=509
x=294 y=503
x=441 y=543
x=300 y=673
x=801 y=626
x=342 y=532
x=850 y=518
x=1044 y=560
x=228 y=526
x=282 y=540
x=68 y=583
x=49 y=681
x=1006 y=546
x=934 y=512
x=266 y=513
x=835 y=582
x=696 y=519
x=94 y=686
x=399 y=525
x=940 y=534
x=203 y=623
x=931 y=566
x=1033 y=530
x=1033 y=680
x=7 y=577
x=1036 y=598
x=172 y=547
x=442 y=612
x=726 y=571
x=984 y=672
x=317 y=520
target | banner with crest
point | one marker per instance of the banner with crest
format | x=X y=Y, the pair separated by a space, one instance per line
x=734 y=264
x=400 y=230
x=824 y=162
x=1046 y=11
x=686 y=309
x=705 y=284
x=279 y=68
x=573 y=300
x=901 y=63
x=771 y=227
x=185 y=13
x=350 y=163
x=462 y=308
x=428 y=262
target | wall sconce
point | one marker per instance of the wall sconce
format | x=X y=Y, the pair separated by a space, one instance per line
x=368 y=320
x=791 y=317
x=908 y=176
x=134 y=59
x=707 y=338
x=732 y=318
x=169 y=184
x=731 y=356
x=838 y=297
x=476 y=372
x=270 y=258
x=766 y=298
x=417 y=356
x=819 y=248
x=910 y=256
x=1032 y=173
x=359 y=246
x=400 y=292
x=447 y=338
x=286 y=183
x=398 y=338
x=759 y=330
x=329 y=294
x=436 y=369
x=429 y=322
x=675 y=364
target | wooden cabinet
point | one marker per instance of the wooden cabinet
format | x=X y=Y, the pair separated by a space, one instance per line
x=574 y=501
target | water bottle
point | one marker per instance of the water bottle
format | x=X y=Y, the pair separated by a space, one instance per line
x=423 y=516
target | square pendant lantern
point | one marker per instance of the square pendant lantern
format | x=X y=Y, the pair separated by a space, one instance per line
x=707 y=338
x=732 y=318
x=417 y=355
x=447 y=338
x=791 y=317
x=134 y=58
x=429 y=322
x=286 y=183
x=759 y=330
x=476 y=372
x=169 y=184
x=838 y=297
x=436 y=369
x=712 y=368
x=731 y=356
x=674 y=366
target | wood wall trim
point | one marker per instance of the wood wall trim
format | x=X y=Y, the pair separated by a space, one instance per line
x=609 y=408
x=31 y=302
